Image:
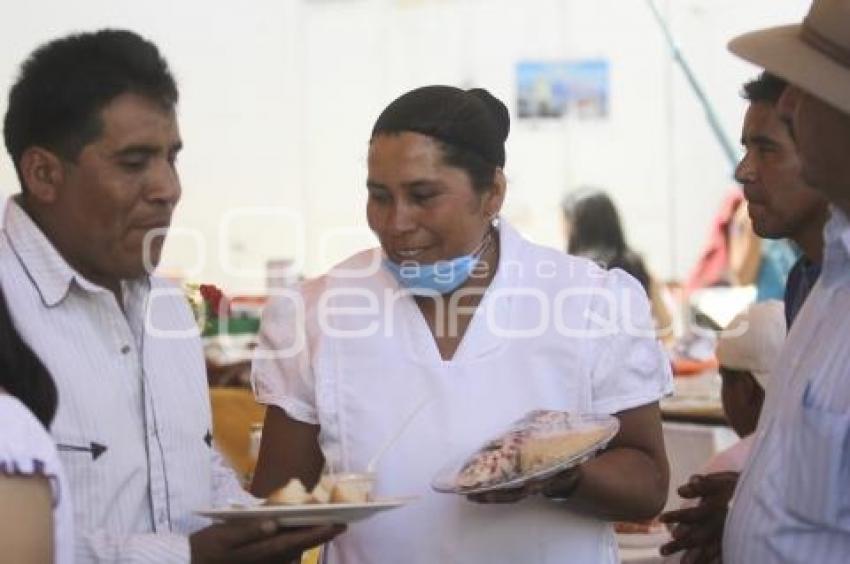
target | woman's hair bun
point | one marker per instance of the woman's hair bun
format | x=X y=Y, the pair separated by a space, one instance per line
x=499 y=111
x=474 y=119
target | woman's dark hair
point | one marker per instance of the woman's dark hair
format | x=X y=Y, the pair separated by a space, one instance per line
x=471 y=127
x=596 y=233
x=481 y=172
x=22 y=374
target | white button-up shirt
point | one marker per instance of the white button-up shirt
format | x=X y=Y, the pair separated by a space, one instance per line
x=133 y=426
x=793 y=501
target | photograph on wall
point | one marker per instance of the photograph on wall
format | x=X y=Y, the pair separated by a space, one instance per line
x=558 y=89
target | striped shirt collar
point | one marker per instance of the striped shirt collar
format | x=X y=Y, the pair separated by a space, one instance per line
x=836 y=235
x=49 y=271
x=843 y=225
x=838 y=228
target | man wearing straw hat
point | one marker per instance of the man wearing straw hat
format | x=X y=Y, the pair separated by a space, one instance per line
x=793 y=499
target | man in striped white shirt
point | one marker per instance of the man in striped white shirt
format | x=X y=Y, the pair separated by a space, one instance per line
x=92 y=131
x=793 y=498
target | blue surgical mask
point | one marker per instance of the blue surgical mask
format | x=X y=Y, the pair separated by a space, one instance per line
x=441 y=277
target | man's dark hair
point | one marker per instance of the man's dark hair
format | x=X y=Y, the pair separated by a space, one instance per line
x=22 y=374
x=64 y=84
x=766 y=88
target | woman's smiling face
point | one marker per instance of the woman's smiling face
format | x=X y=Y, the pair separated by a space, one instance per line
x=421 y=208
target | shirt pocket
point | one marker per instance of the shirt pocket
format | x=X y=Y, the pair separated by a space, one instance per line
x=818 y=467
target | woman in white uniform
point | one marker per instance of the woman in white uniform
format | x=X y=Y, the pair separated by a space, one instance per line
x=460 y=313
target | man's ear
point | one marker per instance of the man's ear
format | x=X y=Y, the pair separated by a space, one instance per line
x=42 y=173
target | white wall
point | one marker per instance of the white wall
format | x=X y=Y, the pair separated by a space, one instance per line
x=278 y=97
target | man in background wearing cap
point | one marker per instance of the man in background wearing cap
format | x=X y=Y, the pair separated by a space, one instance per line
x=793 y=500
x=747 y=354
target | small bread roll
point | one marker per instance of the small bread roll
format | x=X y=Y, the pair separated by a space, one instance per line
x=349 y=492
x=327 y=481
x=320 y=494
x=293 y=493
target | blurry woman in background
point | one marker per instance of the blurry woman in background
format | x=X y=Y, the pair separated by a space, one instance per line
x=593 y=230
x=35 y=512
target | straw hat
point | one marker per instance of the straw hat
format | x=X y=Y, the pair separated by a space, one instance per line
x=814 y=55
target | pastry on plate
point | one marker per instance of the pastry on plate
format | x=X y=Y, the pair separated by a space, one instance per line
x=293 y=493
x=545 y=450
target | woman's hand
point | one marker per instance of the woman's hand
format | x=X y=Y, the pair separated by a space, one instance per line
x=560 y=486
x=625 y=482
x=276 y=465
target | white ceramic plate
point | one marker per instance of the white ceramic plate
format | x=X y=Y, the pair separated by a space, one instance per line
x=312 y=514
x=446 y=479
x=643 y=540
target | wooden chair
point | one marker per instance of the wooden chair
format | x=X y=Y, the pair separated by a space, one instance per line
x=234 y=411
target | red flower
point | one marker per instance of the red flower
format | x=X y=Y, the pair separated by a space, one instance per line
x=217 y=303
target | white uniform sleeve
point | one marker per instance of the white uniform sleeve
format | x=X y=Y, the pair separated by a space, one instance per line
x=25 y=447
x=631 y=368
x=282 y=374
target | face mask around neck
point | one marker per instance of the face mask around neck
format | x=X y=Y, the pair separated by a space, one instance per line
x=442 y=277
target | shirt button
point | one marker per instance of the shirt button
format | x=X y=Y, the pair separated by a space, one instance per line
x=125 y=349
